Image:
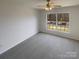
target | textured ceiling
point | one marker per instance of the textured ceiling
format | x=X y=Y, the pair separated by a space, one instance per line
x=60 y=2
x=35 y=3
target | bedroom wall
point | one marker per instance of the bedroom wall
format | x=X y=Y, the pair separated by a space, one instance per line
x=74 y=22
x=18 y=22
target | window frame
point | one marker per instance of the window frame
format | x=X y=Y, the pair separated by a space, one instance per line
x=57 y=21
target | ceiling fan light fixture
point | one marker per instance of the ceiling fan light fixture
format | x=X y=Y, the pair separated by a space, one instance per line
x=49 y=6
x=48 y=9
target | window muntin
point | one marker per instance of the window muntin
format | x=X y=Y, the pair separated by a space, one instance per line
x=59 y=21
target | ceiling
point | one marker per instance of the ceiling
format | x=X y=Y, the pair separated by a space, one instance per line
x=60 y=2
x=63 y=3
x=35 y=3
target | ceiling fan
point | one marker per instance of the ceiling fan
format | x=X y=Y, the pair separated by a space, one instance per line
x=49 y=6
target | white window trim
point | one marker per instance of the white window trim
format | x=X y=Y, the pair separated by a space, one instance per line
x=56 y=23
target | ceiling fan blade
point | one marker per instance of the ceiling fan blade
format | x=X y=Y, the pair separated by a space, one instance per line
x=41 y=7
x=44 y=5
x=57 y=5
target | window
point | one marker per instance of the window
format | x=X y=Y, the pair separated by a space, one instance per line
x=58 y=21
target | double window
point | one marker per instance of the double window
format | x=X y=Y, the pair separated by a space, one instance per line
x=58 y=21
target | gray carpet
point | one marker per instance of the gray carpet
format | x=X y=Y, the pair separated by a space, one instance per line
x=44 y=46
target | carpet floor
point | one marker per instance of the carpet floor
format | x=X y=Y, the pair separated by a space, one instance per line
x=44 y=46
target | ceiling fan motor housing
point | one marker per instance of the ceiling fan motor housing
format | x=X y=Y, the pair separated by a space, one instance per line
x=48 y=5
x=48 y=0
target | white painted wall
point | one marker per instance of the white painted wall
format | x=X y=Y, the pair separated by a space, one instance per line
x=18 y=21
x=74 y=22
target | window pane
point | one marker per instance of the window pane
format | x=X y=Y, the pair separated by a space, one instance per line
x=63 y=22
x=51 y=21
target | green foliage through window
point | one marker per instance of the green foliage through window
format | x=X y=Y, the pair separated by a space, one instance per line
x=59 y=21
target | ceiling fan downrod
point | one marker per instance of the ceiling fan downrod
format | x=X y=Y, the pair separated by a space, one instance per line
x=48 y=0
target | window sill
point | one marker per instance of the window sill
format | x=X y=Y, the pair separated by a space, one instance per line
x=58 y=31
